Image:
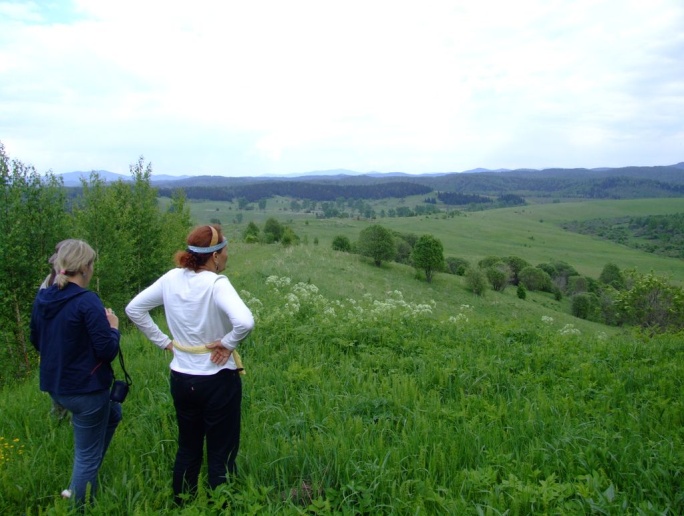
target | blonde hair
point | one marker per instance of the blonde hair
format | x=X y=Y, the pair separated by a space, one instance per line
x=72 y=258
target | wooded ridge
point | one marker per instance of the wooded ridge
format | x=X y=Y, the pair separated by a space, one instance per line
x=618 y=183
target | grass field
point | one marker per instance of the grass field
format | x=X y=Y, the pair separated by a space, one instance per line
x=370 y=391
x=532 y=232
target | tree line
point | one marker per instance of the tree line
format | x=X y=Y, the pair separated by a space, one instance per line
x=493 y=189
x=658 y=234
x=134 y=240
x=315 y=191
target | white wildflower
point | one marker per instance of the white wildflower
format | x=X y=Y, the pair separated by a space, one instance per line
x=460 y=318
x=395 y=294
x=278 y=282
x=569 y=329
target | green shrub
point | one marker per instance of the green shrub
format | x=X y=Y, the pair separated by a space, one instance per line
x=557 y=293
x=476 y=281
x=577 y=285
x=341 y=243
x=457 y=266
x=584 y=306
x=251 y=232
x=516 y=264
x=488 y=261
x=403 y=251
x=289 y=237
x=273 y=230
x=651 y=302
x=612 y=275
x=521 y=291
x=498 y=274
x=535 y=278
x=607 y=306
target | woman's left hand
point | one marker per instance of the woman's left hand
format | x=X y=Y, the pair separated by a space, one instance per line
x=219 y=354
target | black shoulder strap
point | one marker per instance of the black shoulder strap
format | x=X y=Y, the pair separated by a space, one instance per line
x=127 y=377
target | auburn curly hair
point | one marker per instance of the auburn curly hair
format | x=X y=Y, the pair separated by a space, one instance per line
x=201 y=236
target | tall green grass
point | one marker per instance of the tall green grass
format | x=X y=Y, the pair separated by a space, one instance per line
x=370 y=392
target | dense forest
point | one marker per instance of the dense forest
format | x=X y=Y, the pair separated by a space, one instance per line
x=301 y=190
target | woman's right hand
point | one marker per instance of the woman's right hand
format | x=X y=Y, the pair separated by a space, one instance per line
x=112 y=318
x=219 y=354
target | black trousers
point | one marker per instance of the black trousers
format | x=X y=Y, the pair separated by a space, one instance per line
x=207 y=407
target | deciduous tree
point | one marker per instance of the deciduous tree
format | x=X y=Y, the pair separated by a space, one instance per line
x=376 y=242
x=428 y=255
x=32 y=220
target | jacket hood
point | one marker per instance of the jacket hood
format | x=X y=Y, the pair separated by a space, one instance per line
x=51 y=300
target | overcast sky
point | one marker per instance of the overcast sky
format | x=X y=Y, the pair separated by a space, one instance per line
x=290 y=86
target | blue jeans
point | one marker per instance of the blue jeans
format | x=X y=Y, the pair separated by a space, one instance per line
x=207 y=408
x=94 y=419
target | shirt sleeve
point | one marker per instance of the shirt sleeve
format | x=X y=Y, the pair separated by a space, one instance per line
x=240 y=316
x=138 y=311
x=104 y=338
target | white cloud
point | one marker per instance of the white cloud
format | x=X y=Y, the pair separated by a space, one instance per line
x=270 y=86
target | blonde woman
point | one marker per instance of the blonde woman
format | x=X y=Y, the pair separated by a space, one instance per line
x=77 y=339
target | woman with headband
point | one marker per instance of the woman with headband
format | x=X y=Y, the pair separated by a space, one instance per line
x=207 y=320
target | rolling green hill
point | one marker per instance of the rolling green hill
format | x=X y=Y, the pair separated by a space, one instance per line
x=371 y=392
x=534 y=232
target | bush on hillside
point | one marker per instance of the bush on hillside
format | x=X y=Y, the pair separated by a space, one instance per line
x=273 y=230
x=577 y=285
x=498 y=275
x=341 y=243
x=457 y=266
x=476 y=281
x=535 y=279
x=488 y=261
x=585 y=306
x=251 y=233
x=516 y=264
x=289 y=237
x=612 y=275
x=521 y=292
x=403 y=250
x=607 y=306
x=559 y=272
x=652 y=303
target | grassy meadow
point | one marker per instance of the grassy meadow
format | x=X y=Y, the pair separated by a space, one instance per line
x=369 y=391
x=531 y=232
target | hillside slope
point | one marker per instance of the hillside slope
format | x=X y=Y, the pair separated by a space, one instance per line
x=343 y=276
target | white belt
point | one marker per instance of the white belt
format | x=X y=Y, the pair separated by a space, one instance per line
x=202 y=349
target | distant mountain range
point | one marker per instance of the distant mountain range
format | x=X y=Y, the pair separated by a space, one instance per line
x=72 y=179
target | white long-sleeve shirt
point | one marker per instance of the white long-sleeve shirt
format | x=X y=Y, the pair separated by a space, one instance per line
x=200 y=307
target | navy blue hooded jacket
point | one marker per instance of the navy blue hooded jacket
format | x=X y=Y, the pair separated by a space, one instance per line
x=71 y=332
